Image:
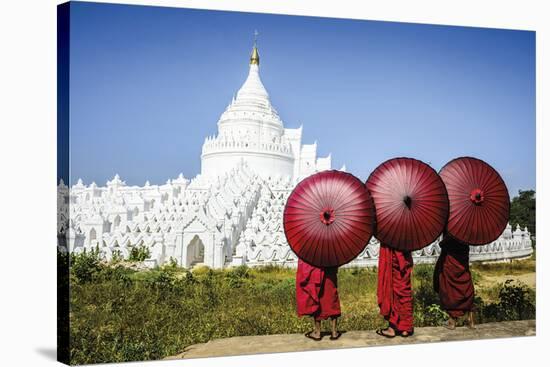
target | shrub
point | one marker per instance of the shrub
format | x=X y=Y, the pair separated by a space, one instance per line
x=139 y=253
x=114 y=273
x=424 y=295
x=236 y=276
x=172 y=263
x=427 y=311
x=424 y=272
x=433 y=315
x=86 y=265
x=356 y=271
x=270 y=269
x=202 y=270
x=116 y=257
x=516 y=302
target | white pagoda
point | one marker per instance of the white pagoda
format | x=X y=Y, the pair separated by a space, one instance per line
x=232 y=212
x=250 y=130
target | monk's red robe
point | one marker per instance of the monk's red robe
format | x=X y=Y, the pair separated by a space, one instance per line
x=317 y=291
x=452 y=278
x=394 y=288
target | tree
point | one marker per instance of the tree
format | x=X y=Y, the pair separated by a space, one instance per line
x=522 y=210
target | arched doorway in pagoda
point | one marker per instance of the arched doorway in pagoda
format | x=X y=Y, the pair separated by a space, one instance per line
x=195 y=252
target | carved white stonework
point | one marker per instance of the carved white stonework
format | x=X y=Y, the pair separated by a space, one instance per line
x=229 y=214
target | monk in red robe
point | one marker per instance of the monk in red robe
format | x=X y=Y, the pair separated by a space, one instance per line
x=317 y=296
x=453 y=281
x=395 y=291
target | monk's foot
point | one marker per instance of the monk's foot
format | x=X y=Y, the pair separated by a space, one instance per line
x=405 y=334
x=450 y=324
x=335 y=335
x=388 y=332
x=314 y=334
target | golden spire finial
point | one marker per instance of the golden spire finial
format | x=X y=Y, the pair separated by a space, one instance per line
x=255 y=56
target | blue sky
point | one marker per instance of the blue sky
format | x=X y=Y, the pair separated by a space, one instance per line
x=149 y=83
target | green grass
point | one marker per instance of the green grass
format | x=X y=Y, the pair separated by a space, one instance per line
x=118 y=314
x=514 y=267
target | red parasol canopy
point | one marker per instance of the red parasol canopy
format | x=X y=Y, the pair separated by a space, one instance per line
x=329 y=218
x=411 y=203
x=479 y=201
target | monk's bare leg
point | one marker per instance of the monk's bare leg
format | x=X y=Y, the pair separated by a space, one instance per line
x=316 y=329
x=451 y=323
x=334 y=324
x=315 y=334
x=471 y=323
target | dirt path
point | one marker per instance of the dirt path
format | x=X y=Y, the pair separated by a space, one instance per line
x=352 y=339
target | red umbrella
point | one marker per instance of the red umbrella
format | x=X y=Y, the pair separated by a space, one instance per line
x=479 y=201
x=411 y=203
x=329 y=218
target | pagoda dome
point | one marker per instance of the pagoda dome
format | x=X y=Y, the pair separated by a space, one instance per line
x=250 y=130
x=250 y=113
